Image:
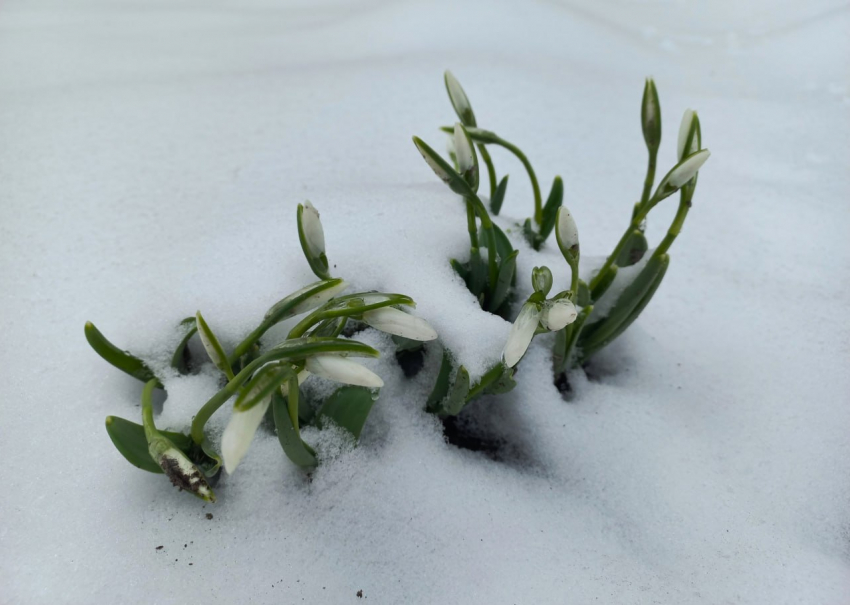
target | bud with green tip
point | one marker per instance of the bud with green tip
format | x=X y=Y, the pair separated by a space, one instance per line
x=459 y=100
x=213 y=346
x=467 y=159
x=340 y=369
x=442 y=168
x=690 y=137
x=399 y=323
x=558 y=314
x=541 y=280
x=312 y=238
x=566 y=232
x=650 y=115
x=680 y=174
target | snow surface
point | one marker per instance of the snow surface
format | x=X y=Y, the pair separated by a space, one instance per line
x=152 y=158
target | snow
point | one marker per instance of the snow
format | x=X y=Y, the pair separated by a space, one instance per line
x=153 y=157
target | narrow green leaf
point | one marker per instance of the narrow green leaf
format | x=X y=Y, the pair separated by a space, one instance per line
x=635 y=248
x=499 y=196
x=478 y=272
x=129 y=439
x=461 y=270
x=532 y=237
x=550 y=208
x=601 y=333
x=178 y=360
x=442 y=168
x=213 y=347
x=348 y=407
x=332 y=327
x=605 y=283
x=503 y=384
x=266 y=380
x=122 y=360
x=503 y=285
x=583 y=297
x=303 y=300
x=456 y=398
x=301 y=348
x=293 y=446
x=441 y=386
x=573 y=333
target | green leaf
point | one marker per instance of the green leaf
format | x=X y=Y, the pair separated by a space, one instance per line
x=633 y=299
x=300 y=301
x=266 y=380
x=129 y=439
x=532 y=237
x=213 y=347
x=332 y=327
x=178 y=360
x=461 y=270
x=441 y=386
x=503 y=244
x=301 y=348
x=503 y=384
x=636 y=246
x=605 y=283
x=456 y=398
x=293 y=446
x=122 y=360
x=503 y=284
x=499 y=196
x=566 y=340
x=550 y=208
x=348 y=407
x=208 y=460
x=442 y=168
x=583 y=297
x=478 y=272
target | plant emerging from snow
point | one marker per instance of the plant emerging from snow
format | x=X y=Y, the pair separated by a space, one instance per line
x=263 y=378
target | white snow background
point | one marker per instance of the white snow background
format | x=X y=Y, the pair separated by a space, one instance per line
x=151 y=158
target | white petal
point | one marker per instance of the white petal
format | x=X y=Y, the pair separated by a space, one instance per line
x=685 y=171
x=394 y=321
x=318 y=299
x=558 y=313
x=521 y=334
x=239 y=433
x=684 y=130
x=463 y=150
x=344 y=370
x=313 y=232
x=438 y=170
x=456 y=94
x=567 y=229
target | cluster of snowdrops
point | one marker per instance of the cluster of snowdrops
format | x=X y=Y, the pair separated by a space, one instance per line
x=263 y=379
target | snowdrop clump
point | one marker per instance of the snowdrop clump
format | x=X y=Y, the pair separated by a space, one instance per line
x=264 y=378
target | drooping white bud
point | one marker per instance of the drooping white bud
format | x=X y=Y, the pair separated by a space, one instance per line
x=395 y=321
x=314 y=235
x=343 y=370
x=521 y=334
x=428 y=156
x=463 y=149
x=459 y=100
x=686 y=170
x=322 y=292
x=557 y=314
x=239 y=433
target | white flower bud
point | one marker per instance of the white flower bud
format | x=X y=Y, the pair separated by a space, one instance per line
x=557 y=314
x=463 y=149
x=686 y=170
x=566 y=232
x=239 y=432
x=688 y=132
x=394 y=321
x=343 y=370
x=521 y=334
x=459 y=100
x=314 y=235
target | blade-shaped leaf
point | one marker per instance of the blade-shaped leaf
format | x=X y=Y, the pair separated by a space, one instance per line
x=348 y=407
x=636 y=246
x=499 y=196
x=303 y=300
x=550 y=208
x=605 y=283
x=129 y=439
x=441 y=386
x=178 y=360
x=503 y=284
x=456 y=398
x=122 y=360
x=213 y=347
x=293 y=446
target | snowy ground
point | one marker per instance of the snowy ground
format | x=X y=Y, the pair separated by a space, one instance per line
x=152 y=156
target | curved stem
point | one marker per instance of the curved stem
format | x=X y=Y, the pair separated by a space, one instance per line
x=246 y=344
x=147 y=408
x=471 y=225
x=491 y=170
x=675 y=226
x=489 y=376
x=650 y=177
x=538 y=200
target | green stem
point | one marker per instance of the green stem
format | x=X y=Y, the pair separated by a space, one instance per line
x=244 y=346
x=650 y=177
x=489 y=376
x=147 y=409
x=491 y=170
x=675 y=226
x=471 y=224
x=538 y=200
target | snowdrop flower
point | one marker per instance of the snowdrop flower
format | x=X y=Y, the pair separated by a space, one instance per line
x=686 y=170
x=651 y=115
x=566 y=233
x=314 y=235
x=521 y=334
x=239 y=433
x=689 y=134
x=394 y=321
x=467 y=160
x=344 y=370
x=459 y=100
x=177 y=467
x=557 y=314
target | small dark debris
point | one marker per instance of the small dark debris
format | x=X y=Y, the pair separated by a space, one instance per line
x=209 y=515
x=160 y=547
x=191 y=563
x=359 y=594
